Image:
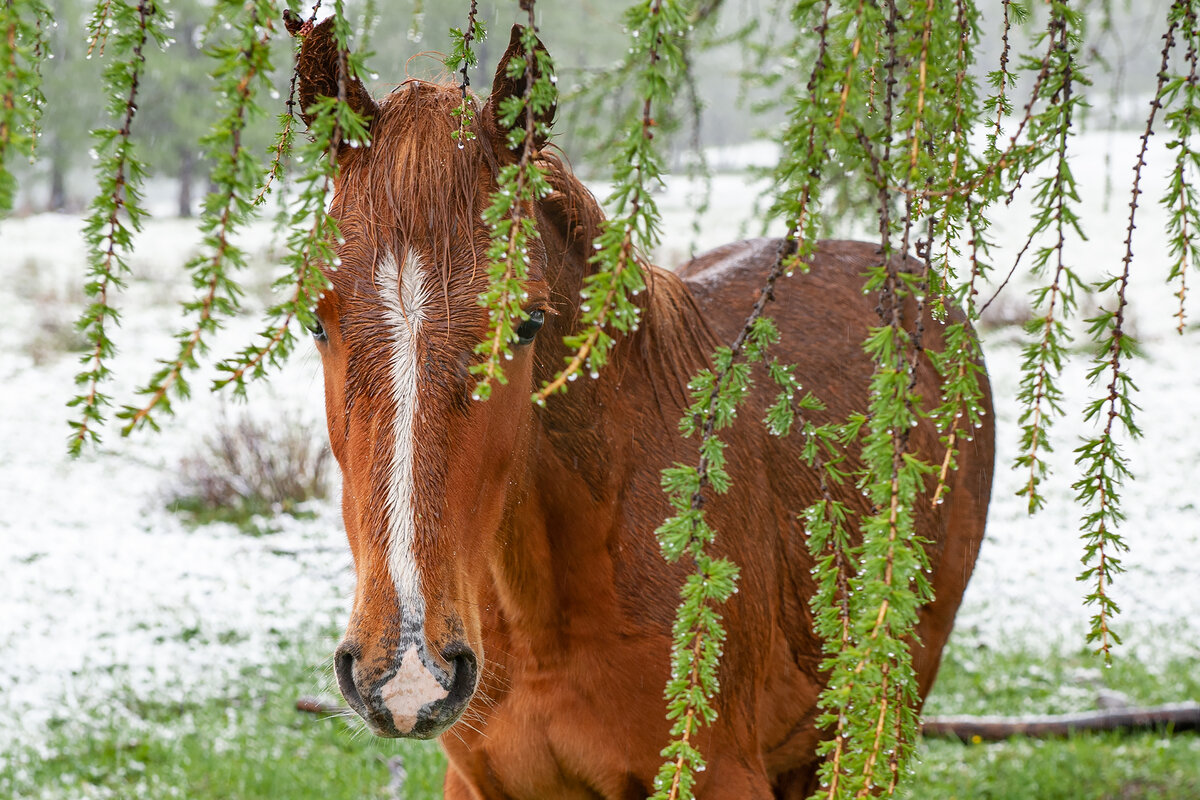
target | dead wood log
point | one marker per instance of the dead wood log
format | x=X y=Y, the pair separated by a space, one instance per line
x=1175 y=716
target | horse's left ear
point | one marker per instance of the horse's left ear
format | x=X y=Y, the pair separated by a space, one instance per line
x=507 y=84
x=318 y=66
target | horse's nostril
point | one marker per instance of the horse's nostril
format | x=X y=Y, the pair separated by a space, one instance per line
x=343 y=667
x=466 y=671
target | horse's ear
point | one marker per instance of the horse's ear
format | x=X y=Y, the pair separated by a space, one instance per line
x=510 y=82
x=318 y=66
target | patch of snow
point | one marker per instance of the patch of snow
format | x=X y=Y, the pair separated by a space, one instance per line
x=103 y=587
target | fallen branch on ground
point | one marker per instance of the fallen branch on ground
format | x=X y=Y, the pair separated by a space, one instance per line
x=1177 y=717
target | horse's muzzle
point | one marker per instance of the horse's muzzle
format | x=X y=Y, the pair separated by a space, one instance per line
x=416 y=697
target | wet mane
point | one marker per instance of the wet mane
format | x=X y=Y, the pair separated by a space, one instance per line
x=414 y=186
x=406 y=189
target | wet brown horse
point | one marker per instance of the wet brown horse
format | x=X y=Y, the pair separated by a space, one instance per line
x=510 y=594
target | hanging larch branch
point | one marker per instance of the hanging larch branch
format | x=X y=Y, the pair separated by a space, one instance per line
x=656 y=30
x=1180 y=198
x=242 y=69
x=513 y=226
x=22 y=48
x=1042 y=359
x=116 y=211
x=1104 y=466
x=462 y=58
x=332 y=123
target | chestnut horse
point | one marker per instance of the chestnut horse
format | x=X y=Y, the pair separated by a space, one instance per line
x=510 y=595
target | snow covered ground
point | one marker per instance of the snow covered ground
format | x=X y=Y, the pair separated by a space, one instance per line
x=101 y=588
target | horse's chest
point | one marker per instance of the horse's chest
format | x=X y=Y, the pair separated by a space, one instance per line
x=548 y=738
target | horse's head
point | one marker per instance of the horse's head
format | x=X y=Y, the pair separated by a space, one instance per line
x=429 y=473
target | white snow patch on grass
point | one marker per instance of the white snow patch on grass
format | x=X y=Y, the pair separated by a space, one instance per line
x=103 y=588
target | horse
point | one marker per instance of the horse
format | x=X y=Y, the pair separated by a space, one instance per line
x=510 y=596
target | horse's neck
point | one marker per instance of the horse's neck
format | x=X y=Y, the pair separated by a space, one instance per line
x=592 y=446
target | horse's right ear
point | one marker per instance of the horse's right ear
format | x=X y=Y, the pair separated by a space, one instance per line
x=505 y=85
x=318 y=66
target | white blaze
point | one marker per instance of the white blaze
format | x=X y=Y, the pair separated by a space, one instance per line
x=404 y=297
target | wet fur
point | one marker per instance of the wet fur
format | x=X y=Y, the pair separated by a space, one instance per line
x=536 y=541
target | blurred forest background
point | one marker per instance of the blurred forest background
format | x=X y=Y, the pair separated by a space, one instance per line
x=732 y=63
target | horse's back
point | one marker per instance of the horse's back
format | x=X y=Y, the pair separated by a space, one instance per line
x=823 y=308
x=824 y=316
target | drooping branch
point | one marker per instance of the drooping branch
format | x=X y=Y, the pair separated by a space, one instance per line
x=1104 y=466
x=116 y=210
x=462 y=57
x=656 y=26
x=23 y=47
x=242 y=69
x=333 y=122
x=1181 y=197
x=523 y=118
x=1039 y=393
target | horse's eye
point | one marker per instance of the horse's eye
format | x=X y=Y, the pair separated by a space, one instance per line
x=529 y=328
x=317 y=330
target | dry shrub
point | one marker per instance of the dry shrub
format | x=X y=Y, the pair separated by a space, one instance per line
x=253 y=468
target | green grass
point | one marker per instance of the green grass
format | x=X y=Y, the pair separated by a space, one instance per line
x=251 y=743
x=252 y=516
x=1147 y=766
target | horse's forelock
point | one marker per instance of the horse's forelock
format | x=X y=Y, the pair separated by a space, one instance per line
x=414 y=187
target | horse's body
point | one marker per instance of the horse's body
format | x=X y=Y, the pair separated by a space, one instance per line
x=576 y=705
x=511 y=596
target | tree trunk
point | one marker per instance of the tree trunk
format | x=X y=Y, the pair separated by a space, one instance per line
x=58 y=181
x=187 y=168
